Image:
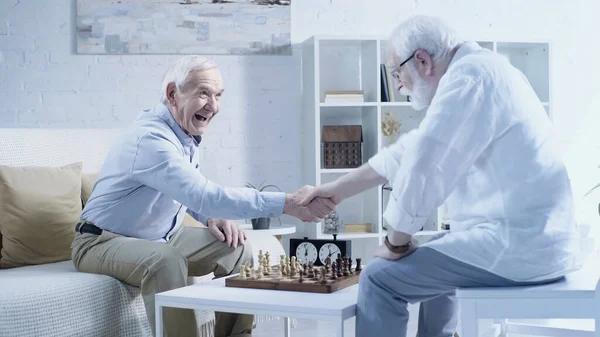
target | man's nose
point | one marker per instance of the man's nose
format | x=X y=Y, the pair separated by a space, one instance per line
x=212 y=102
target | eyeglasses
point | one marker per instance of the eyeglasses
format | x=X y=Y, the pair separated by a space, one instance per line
x=396 y=72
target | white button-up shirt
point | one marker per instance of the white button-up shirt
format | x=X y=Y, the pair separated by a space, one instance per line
x=486 y=149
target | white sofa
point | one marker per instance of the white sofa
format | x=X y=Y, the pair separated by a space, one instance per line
x=54 y=299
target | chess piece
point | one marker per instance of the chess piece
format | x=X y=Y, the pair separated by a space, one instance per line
x=334 y=272
x=260 y=256
x=259 y=272
x=340 y=268
x=268 y=261
x=293 y=267
x=248 y=269
x=358 y=266
x=323 y=276
x=316 y=273
x=301 y=279
x=346 y=271
x=328 y=264
x=350 y=264
x=279 y=274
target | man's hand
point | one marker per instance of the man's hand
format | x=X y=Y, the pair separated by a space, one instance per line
x=324 y=191
x=301 y=205
x=227 y=230
x=383 y=252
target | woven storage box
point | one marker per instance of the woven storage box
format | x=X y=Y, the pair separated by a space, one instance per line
x=342 y=146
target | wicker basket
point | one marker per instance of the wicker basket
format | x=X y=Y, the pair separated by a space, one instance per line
x=342 y=146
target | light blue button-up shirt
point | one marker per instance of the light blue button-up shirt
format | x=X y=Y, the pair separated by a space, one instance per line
x=150 y=178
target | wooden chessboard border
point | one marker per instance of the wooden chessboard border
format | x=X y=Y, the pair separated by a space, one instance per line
x=273 y=282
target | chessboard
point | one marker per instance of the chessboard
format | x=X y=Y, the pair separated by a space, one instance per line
x=291 y=275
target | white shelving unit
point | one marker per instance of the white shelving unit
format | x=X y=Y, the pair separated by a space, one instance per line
x=353 y=63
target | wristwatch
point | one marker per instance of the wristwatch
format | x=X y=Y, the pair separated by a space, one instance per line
x=396 y=249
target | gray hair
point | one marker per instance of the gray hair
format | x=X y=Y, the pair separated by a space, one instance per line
x=180 y=71
x=427 y=33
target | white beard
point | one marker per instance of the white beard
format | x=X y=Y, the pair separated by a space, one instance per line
x=422 y=93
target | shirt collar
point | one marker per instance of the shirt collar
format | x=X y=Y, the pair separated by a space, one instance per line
x=466 y=48
x=164 y=113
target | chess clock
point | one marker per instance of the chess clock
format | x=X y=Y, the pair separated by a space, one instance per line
x=316 y=251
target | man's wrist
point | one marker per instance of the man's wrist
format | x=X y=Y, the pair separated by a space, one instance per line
x=397 y=249
x=287 y=203
x=397 y=238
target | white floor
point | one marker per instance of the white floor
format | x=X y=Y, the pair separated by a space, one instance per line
x=312 y=328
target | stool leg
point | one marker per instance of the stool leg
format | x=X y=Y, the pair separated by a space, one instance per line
x=468 y=319
x=503 y=327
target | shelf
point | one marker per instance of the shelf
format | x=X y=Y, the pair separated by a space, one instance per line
x=365 y=116
x=486 y=44
x=349 y=104
x=348 y=236
x=407 y=116
x=533 y=60
x=337 y=171
x=385 y=104
x=347 y=65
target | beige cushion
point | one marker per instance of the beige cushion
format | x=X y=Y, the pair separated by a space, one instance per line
x=40 y=207
x=87 y=184
x=188 y=220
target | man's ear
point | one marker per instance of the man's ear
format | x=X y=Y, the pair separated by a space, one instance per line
x=424 y=62
x=171 y=89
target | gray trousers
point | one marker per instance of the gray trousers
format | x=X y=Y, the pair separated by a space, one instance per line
x=427 y=277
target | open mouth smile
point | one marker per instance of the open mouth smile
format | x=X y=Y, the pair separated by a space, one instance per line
x=201 y=118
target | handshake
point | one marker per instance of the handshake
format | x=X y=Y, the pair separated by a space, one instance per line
x=311 y=204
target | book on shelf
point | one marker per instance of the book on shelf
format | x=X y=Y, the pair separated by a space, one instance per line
x=357 y=228
x=344 y=96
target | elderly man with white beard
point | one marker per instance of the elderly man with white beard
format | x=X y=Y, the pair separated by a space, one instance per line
x=485 y=147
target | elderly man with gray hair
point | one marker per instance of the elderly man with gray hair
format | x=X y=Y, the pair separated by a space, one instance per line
x=131 y=227
x=485 y=147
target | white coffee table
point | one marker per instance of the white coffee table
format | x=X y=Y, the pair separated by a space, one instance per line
x=215 y=296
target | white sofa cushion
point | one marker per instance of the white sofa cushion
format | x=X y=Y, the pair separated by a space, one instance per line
x=56 y=300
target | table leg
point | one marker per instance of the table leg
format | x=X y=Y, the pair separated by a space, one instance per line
x=159 y=320
x=468 y=319
x=287 y=327
x=340 y=328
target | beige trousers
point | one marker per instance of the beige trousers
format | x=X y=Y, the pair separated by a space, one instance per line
x=157 y=267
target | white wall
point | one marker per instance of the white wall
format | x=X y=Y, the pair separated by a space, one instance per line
x=571 y=26
x=44 y=84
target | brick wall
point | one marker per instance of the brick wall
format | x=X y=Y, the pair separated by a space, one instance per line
x=43 y=83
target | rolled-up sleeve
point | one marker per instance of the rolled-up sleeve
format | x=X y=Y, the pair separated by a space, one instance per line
x=458 y=127
x=159 y=164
